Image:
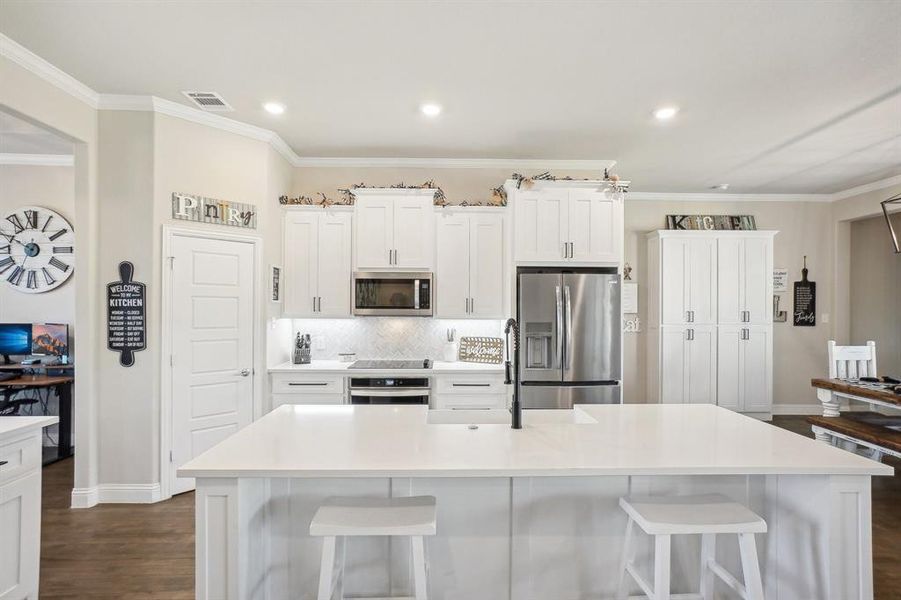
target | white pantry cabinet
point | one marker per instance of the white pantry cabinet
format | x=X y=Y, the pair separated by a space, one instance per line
x=469 y=262
x=559 y=223
x=317 y=262
x=394 y=229
x=710 y=330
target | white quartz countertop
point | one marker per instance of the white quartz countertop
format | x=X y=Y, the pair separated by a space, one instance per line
x=398 y=441
x=13 y=425
x=438 y=368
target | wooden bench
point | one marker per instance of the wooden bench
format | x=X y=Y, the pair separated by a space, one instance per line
x=881 y=434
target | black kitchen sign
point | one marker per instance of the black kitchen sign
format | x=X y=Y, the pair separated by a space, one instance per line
x=126 y=315
x=805 y=314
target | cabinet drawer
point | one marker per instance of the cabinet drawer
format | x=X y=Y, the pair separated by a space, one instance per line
x=471 y=384
x=470 y=401
x=279 y=399
x=22 y=454
x=290 y=383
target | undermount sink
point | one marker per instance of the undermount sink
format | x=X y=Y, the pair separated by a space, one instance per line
x=501 y=417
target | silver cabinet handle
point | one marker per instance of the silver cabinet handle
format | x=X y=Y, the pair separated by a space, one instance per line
x=314 y=303
x=472 y=305
x=471 y=384
x=467 y=305
x=306 y=383
x=572 y=249
x=691 y=334
x=565 y=250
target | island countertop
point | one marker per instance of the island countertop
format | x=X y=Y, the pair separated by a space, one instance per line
x=380 y=441
x=15 y=425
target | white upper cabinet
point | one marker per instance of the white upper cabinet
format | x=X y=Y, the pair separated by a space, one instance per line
x=470 y=271
x=558 y=224
x=688 y=271
x=394 y=230
x=745 y=280
x=317 y=263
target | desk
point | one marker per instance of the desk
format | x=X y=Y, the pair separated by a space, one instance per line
x=63 y=386
x=34 y=367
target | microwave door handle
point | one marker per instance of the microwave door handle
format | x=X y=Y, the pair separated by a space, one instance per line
x=559 y=304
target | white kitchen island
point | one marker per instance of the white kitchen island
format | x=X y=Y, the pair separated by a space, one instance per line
x=528 y=514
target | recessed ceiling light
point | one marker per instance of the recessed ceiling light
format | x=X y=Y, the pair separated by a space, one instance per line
x=665 y=113
x=274 y=108
x=431 y=110
x=720 y=186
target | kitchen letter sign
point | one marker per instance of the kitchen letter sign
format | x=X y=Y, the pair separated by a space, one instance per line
x=126 y=315
x=805 y=314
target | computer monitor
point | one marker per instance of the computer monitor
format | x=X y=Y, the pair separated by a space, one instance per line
x=50 y=339
x=15 y=338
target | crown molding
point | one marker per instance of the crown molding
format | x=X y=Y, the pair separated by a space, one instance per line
x=455 y=163
x=867 y=187
x=703 y=197
x=30 y=61
x=38 y=160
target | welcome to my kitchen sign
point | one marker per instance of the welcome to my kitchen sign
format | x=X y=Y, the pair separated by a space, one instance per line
x=216 y=212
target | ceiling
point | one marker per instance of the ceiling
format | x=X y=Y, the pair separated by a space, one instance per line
x=779 y=97
x=18 y=136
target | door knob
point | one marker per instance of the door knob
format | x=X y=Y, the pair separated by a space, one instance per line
x=245 y=372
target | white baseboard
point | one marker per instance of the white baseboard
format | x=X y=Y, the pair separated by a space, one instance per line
x=116 y=493
x=798 y=409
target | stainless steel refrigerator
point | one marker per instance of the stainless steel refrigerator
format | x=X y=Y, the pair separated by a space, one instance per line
x=570 y=330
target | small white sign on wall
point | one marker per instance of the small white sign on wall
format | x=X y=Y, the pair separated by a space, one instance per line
x=630 y=298
x=780 y=280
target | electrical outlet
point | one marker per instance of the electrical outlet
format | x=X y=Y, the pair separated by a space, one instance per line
x=824 y=318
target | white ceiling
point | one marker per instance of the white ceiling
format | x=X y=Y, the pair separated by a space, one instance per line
x=18 y=136
x=787 y=97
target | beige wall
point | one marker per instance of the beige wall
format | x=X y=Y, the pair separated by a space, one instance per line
x=53 y=188
x=876 y=291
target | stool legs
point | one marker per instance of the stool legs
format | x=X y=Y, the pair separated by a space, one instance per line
x=708 y=555
x=662 y=547
x=749 y=566
x=621 y=588
x=419 y=575
x=326 y=568
x=329 y=583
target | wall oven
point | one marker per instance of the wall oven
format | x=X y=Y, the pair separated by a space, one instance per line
x=389 y=390
x=393 y=294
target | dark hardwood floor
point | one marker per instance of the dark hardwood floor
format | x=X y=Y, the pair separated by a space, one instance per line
x=146 y=551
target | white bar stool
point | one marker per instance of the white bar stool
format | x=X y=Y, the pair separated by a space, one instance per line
x=339 y=517
x=706 y=515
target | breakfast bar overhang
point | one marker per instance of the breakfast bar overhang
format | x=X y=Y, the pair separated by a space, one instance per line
x=527 y=514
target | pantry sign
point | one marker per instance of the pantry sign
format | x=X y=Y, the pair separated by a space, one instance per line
x=216 y=212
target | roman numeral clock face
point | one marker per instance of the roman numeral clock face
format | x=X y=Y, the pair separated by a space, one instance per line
x=37 y=250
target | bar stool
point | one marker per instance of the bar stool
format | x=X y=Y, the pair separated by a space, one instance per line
x=707 y=515
x=341 y=517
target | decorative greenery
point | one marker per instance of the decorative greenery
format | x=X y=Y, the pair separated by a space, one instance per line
x=526 y=182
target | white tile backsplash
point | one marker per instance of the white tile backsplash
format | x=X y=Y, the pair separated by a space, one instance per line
x=389 y=337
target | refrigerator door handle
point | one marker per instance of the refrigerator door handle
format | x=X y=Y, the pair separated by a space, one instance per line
x=559 y=304
x=568 y=316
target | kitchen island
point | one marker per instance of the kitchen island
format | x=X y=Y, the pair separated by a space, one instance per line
x=523 y=514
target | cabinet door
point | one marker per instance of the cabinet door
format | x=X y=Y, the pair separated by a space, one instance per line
x=731 y=277
x=486 y=266
x=20 y=541
x=374 y=237
x=729 y=382
x=413 y=233
x=595 y=227
x=452 y=266
x=757 y=369
x=702 y=286
x=757 y=276
x=334 y=264
x=700 y=366
x=673 y=378
x=674 y=281
x=542 y=221
x=301 y=263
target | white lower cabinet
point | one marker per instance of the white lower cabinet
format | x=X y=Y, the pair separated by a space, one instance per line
x=745 y=369
x=293 y=388
x=469 y=392
x=20 y=517
x=688 y=365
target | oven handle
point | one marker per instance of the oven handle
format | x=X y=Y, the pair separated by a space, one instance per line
x=400 y=392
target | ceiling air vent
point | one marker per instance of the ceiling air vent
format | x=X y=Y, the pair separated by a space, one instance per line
x=209 y=101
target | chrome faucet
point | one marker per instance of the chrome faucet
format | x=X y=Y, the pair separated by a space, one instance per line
x=511 y=372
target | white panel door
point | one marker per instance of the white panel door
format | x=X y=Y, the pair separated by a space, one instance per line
x=452 y=266
x=595 y=227
x=674 y=284
x=413 y=233
x=700 y=367
x=673 y=379
x=757 y=275
x=212 y=345
x=486 y=266
x=729 y=382
x=757 y=369
x=702 y=286
x=731 y=278
x=374 y=227
x=20 y=537
x=301 y=263
x=334 y=260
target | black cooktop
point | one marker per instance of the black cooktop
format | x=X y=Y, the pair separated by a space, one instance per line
x=391 y=364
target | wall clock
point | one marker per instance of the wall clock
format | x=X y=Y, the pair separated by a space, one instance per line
x=37 y=249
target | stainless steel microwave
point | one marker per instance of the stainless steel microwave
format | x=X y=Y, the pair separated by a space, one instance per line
x=393 y=294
